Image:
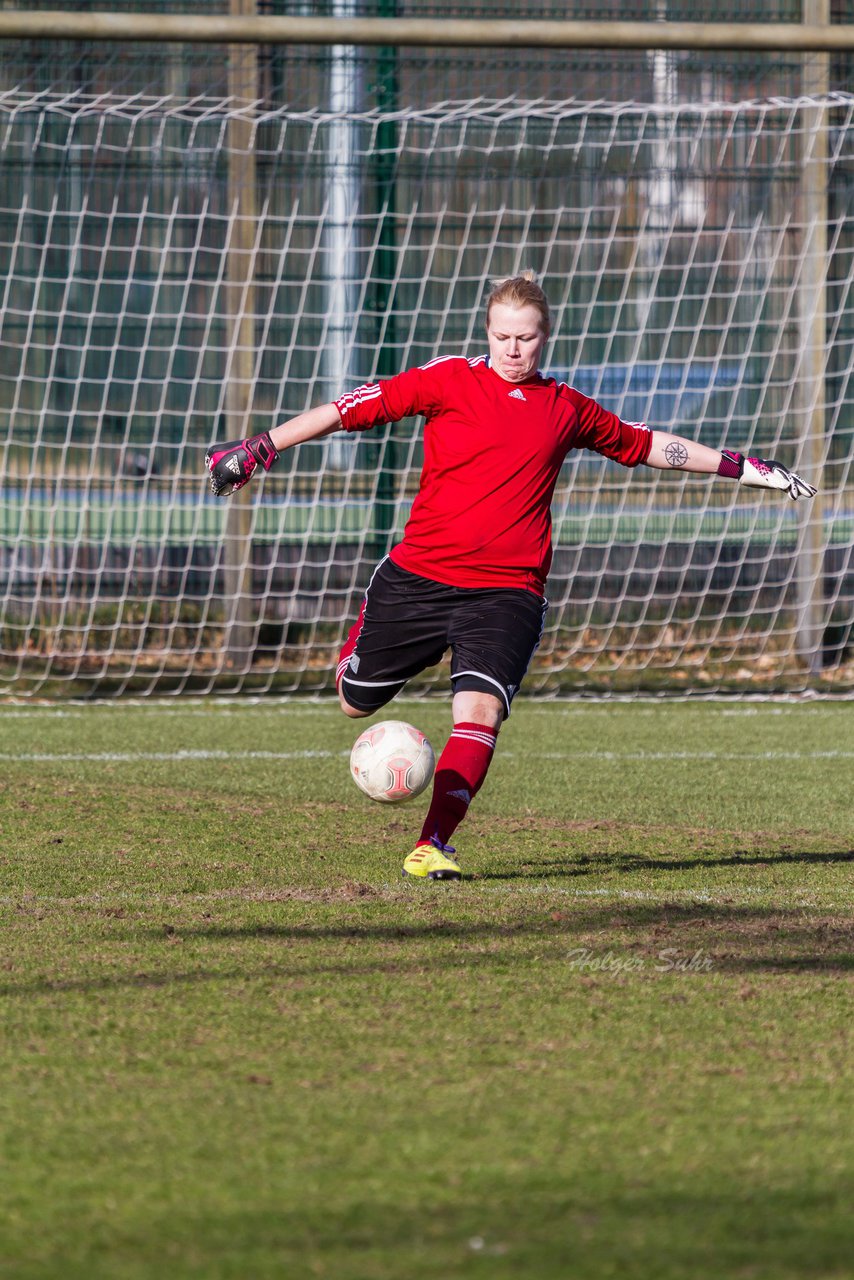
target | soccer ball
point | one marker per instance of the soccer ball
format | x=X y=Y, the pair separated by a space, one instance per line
x=392 y=761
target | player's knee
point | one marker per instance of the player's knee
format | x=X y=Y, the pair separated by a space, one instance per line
x=355 y=713
x=478 y=707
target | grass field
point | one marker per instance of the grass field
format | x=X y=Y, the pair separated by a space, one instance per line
x=236 y=1044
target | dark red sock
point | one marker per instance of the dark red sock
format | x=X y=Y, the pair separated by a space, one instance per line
x=460 y=772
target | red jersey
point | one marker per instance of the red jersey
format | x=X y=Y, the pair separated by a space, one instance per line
x=492 y=454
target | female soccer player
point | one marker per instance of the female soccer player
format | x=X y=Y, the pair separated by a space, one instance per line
x=471 y=570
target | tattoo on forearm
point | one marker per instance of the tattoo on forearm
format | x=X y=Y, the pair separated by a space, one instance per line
x=676 y=454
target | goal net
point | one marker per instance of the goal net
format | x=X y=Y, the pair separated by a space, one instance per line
x=180 y=269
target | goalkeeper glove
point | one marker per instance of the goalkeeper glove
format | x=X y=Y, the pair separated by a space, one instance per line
x=231 y=465
x=763 y=473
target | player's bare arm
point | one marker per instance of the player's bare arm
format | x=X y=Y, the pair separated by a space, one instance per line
x=676 y=453
x=311 y=425
x=232 y=465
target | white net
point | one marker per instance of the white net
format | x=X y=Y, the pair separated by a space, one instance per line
x=176 y=271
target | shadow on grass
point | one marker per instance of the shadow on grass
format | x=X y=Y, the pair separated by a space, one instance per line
x=734 y=938
x=498 y=1224
x=538 y=869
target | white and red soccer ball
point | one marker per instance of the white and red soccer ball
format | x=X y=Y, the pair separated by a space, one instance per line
x=392 y=761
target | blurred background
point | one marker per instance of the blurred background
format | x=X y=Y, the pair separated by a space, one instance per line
x=198 y=241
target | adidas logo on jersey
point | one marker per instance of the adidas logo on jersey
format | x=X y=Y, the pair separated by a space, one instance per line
x=516 y=394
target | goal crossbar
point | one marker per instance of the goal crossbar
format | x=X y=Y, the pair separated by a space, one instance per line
x=431 y=32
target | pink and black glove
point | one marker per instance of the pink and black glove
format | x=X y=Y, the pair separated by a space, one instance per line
x=231 y=465
x=763 y=473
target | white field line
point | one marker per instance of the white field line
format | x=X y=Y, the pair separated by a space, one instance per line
x=156 y=709
x=286 y=711
x=189 y=756
x=752 y=705
x=168 y=757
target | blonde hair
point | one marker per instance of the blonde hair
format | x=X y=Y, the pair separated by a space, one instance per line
x=520 y=291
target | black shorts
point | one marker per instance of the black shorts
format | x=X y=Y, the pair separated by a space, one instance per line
x=407 y=623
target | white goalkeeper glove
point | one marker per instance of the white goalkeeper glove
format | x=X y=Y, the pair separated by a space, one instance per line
x=763 y=473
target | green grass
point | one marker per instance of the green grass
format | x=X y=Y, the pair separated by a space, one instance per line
x=236 y=1044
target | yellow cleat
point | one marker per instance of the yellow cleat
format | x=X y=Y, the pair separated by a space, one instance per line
x=429 y=862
